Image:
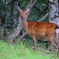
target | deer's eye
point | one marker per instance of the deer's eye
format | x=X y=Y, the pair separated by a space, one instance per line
x=25 y=13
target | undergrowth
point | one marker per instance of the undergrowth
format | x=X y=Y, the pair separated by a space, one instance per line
x=21 y=51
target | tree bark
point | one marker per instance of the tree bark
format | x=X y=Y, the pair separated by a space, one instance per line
x=5 y=15
x=14 y=11
x=16 y=32
x=53 y=13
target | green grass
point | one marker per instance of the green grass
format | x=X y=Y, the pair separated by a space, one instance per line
x=20 y=51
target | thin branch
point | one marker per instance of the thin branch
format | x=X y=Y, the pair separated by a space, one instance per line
x=43 y=17
x=37 y=8
x=41 y=11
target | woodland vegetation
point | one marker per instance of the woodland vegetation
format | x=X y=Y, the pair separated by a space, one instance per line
x=12 y=31
x=9 y=15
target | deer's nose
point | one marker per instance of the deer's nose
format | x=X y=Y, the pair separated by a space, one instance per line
x=21 y=16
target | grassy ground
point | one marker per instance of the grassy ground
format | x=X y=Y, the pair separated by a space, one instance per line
x=22 y=51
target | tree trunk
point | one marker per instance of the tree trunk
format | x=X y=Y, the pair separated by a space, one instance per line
x=14 y=11
x=1 y=32
x=53 y=14
x=16 y=32
x=5 y=15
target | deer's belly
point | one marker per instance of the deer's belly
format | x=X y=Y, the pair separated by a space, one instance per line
x=43 y=38
x=39 y=35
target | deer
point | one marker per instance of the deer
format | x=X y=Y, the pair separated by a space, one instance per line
x=44 y=31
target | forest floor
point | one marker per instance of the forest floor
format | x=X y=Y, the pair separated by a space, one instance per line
x=24 y=50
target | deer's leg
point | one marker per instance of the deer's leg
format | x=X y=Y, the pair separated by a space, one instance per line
x=57 y=39
x=56 y=45
x=54 y=41
x=48 y=45
x=35 y=43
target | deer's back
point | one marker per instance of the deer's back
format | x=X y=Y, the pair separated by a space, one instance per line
x=41 y=30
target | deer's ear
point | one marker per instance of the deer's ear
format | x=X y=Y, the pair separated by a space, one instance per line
x=28 y=10
x=19 y=9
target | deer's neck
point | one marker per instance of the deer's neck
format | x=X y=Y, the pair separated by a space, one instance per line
x=25 y=23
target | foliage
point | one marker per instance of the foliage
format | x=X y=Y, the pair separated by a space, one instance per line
x=43 y=1
x=1 y=6
x=33 y=16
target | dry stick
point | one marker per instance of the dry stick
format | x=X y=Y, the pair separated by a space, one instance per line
x=44 y=50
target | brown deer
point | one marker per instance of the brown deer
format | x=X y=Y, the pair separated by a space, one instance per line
x=44 y=31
